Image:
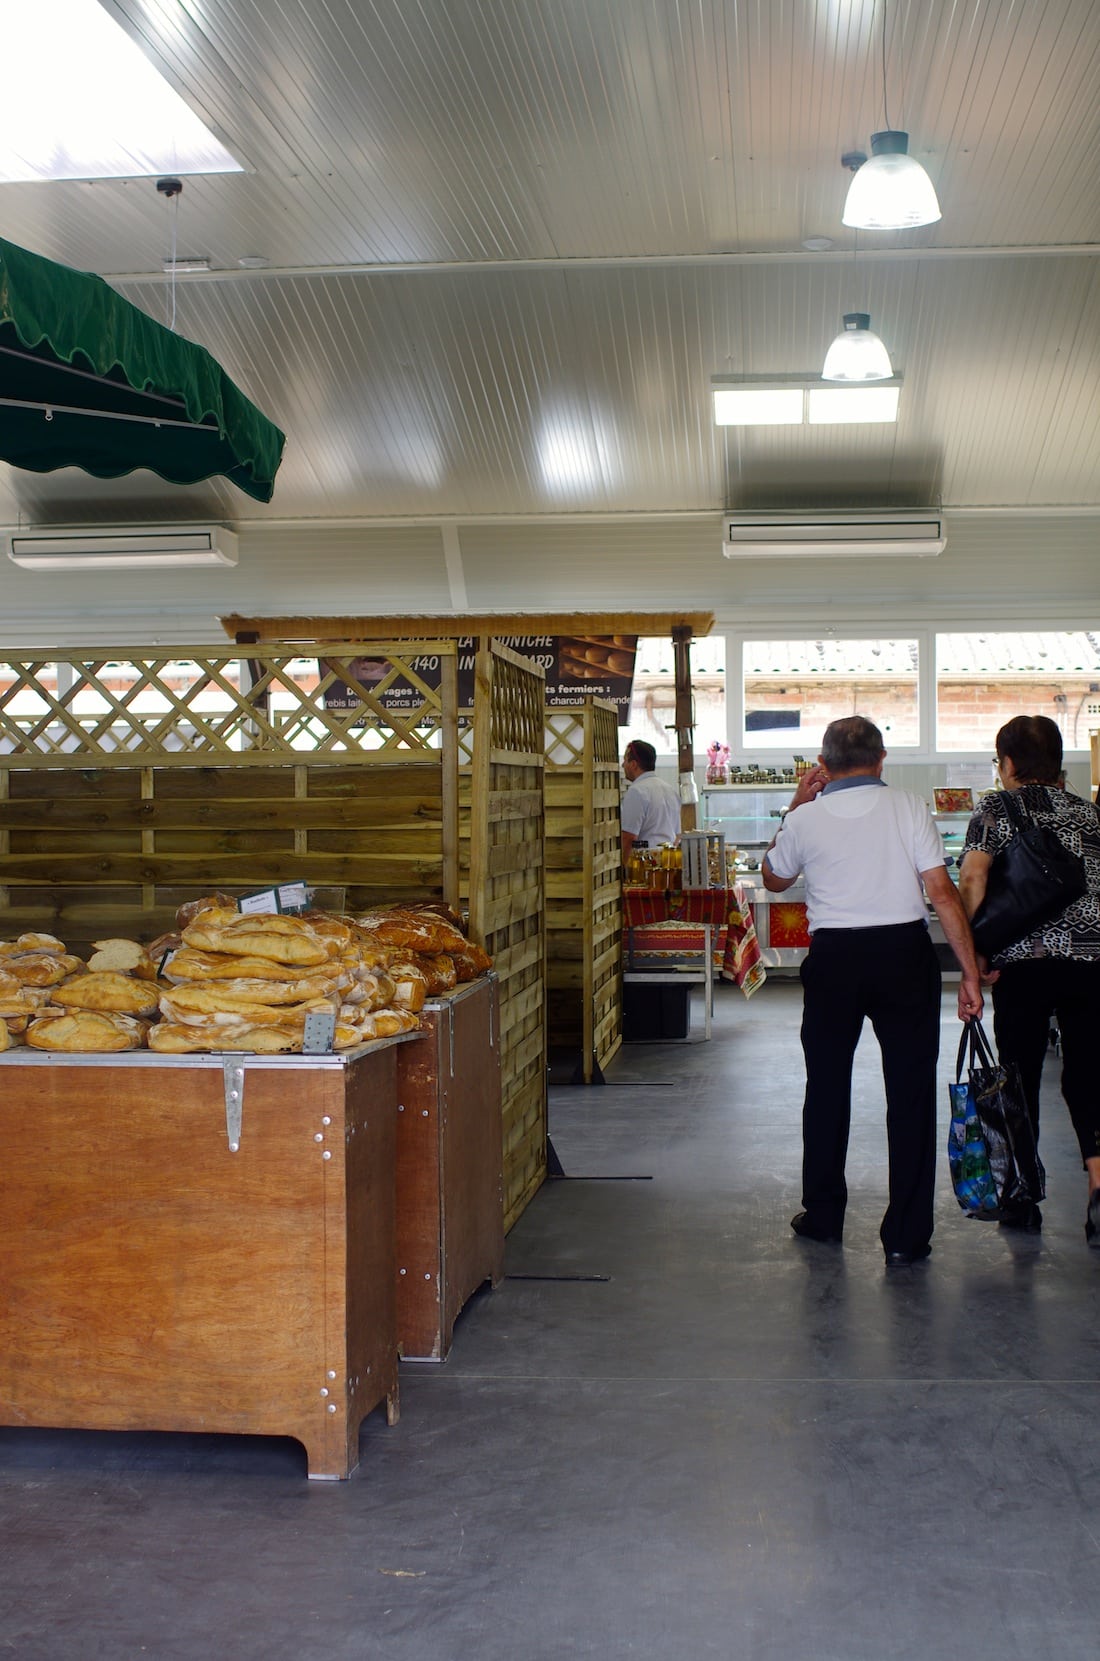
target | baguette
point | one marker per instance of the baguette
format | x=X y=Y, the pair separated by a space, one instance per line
x=189 y=963
x=202 y=1005
x=93 y=1031
x=106 y=993
x=168 y=1038
x=282 y=939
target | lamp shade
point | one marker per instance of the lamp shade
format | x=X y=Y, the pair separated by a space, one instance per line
x=891 y=191
x=856 y=354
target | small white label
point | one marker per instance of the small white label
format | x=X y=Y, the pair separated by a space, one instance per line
x=267 y=901
x=293 y=896
x=289 y=896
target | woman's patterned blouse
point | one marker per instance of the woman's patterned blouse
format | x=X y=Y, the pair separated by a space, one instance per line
x=1075 y=932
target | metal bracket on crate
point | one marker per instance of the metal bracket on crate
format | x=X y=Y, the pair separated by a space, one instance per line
x=233 y=1080
x=320 y=1030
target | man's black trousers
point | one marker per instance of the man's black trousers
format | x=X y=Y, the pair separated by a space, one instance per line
x=890 y=975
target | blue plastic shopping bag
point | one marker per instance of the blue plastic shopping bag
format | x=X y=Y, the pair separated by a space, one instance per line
x=968 y=1157
x=967 y=1151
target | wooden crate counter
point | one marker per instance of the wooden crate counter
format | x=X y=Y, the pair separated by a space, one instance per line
x=153 y=1279
x=450 y=1214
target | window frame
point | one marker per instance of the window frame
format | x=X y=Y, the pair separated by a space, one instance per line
x=736 y=640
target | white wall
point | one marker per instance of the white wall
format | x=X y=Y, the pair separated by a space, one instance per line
x=1014 y=568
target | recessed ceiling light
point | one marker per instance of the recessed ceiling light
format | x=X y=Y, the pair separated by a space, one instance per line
x=796 y=400
x=768 y=406
x=867 y=402
x=817 y=244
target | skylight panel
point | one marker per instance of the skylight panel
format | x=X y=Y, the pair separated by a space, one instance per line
x=79 y=100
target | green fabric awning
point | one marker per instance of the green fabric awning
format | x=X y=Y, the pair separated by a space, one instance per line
x=88 y=380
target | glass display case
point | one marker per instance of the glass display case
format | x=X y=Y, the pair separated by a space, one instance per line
x=952 y=829
x=748 y=815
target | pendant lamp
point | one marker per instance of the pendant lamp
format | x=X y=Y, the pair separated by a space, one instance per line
x=891 y=191
x=857 y=354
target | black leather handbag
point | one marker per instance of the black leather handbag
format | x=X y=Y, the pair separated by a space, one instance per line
x=1033 y=878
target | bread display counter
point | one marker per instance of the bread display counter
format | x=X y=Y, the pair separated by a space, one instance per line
x=200 y=1243
x=449 y=1166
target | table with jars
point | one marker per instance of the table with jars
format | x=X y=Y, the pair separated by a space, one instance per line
x=681 y=930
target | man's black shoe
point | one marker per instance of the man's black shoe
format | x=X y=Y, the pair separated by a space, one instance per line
x=905 y=1260
x=806 y=1230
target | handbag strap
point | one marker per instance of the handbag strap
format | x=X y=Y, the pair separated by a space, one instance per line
x=961 y=1057
x=1017 y=813
x=981 y=1052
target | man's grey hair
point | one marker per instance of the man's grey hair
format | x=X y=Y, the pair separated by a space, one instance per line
x=851 y=744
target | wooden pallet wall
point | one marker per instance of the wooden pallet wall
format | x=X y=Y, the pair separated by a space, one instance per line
x=507 y=898
x=129 y=785
x=584 y=884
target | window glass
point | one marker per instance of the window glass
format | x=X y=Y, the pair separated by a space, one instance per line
x=983 y=680
x=653 y=703
x=794 y=688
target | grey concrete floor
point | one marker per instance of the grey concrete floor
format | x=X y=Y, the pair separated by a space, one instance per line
x=674 y=1431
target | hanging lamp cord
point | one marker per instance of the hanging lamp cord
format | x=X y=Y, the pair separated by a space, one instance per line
x=172 y=284
x=885 y=105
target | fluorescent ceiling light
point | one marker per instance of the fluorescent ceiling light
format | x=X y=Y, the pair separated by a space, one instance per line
x=758 y=406
x=798 y=400
x=79 y=100
x=837 y=404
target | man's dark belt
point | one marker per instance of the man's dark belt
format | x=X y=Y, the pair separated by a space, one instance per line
x=873 y=929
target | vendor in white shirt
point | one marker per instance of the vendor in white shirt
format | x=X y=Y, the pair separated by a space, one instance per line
x=651 y=808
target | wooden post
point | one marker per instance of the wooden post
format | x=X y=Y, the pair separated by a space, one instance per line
x=685 y=717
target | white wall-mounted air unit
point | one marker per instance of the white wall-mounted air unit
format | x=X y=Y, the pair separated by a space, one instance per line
x=833 y=536
x=129 y=547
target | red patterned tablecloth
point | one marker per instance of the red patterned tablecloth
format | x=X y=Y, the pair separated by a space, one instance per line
x=652 y=916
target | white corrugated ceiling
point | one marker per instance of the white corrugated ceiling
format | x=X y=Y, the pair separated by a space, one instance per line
x=510 y=244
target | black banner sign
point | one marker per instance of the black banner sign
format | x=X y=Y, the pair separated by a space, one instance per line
x=577 y=667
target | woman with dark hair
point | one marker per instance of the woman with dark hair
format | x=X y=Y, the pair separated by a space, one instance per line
x=1055 y=970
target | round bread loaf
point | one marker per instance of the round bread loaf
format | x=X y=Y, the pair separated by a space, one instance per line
x=42 y=968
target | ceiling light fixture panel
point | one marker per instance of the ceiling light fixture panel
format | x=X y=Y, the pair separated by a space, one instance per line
x=801 y=400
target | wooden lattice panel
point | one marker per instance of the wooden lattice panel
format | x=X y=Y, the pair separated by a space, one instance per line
x=584 y=883
x=122 y=796
x=117 y=708
x=507 y=899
